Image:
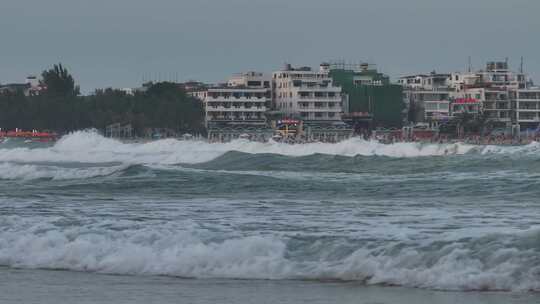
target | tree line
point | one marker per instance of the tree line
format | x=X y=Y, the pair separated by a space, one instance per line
x=60 y=108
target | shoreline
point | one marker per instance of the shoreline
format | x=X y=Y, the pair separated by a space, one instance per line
x=55 y=286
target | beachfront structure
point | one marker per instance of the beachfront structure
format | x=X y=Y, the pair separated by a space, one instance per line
x=31 y=87
x=492 y=88
x=427 y=97
x=307 y=94
x=526 y=103
x=491 y=92
x=370 y=99
x=237 y=108
x=312 y=97
x=250 y=80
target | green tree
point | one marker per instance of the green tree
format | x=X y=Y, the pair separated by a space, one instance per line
x=163 y=105
x=59 y=82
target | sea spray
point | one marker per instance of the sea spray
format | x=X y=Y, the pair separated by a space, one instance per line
x=450 y=216
x=89 y=146
x=492 y=262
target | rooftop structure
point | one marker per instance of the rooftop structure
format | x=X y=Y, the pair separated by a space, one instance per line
x=31 y=87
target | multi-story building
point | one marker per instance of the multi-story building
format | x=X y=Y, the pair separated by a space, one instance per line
x=237 y=109
x=492 y=89
x=306 y=94
x=370 y=100
x=312 y=98
x=428 y=97
x=31 y=87
x=499 y=83
x=439 y=97
x=526 y=104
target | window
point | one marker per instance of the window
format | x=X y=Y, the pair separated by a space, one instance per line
x=254 y=83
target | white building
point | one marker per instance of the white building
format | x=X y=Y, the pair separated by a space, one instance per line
x=250 y=80
x=306 y=94
x=527 y=107
x=499 y=82
x=31 y=87
x=238 y=107
x=487 y=91
x=428 y=95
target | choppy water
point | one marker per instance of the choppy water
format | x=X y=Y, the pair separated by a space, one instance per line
x=437 y=217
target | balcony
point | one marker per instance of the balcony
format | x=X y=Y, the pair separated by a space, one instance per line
x=235 y=109
x=528 y=109
x=322 y=98
x=321 y=109
x=233 y=118
x=328 y=88
x=233 y=98
x=529 y=119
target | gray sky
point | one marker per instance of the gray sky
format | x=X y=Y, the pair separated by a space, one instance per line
x=115 y=42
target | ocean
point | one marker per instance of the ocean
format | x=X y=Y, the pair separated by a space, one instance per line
x=93 y=220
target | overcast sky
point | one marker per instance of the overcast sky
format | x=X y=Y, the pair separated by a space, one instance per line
x=115 y=42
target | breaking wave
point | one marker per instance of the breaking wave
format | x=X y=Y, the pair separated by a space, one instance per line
x=30 y=172
x=489 y=262
x=89 y=146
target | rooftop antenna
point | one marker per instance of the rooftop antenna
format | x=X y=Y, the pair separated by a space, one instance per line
x=470 y=65
x=521 y=66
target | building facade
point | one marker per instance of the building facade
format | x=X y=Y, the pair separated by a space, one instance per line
x=31 y=87
x=237 y=109
x=307 y=94
x=370 y=100
x=428 y=97
x=526 y=103
x=492 y=92
x=311 y=97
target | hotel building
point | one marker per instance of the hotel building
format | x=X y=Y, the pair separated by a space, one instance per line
x=237 y=109
x=306 y=94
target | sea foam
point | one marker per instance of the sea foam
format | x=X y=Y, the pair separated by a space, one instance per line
x=90 y=147
x=18 y=171
x=491 y=262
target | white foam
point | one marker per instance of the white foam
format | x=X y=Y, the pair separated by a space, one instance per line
x=30 y=172
x=88 y=146
x=501 y=262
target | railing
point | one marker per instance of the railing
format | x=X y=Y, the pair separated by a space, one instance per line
x=320 y=98
x=241 y=98
x=321 y=109
x=240 y=118
x=235 y=109
x=529 y=119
